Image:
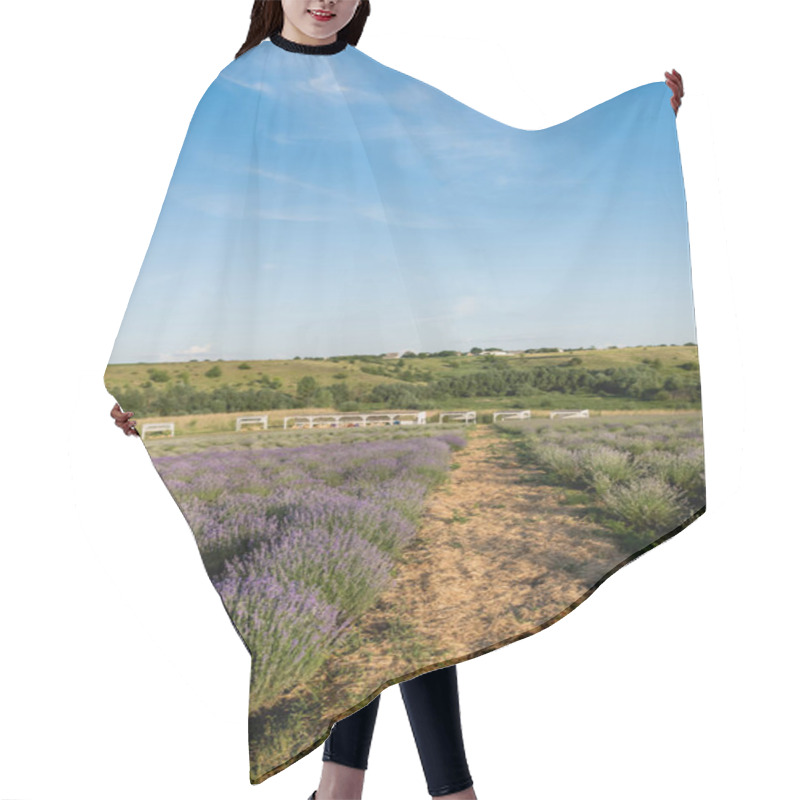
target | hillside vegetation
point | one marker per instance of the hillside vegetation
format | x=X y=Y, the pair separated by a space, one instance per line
x=630 y=378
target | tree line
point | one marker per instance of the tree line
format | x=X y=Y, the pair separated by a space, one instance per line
x=644 y=382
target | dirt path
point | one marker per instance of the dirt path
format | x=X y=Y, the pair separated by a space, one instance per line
x=495 y=558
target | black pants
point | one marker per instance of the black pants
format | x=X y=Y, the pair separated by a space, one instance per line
x=431 y=701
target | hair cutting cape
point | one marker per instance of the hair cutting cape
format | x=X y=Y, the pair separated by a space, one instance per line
x=419 y=381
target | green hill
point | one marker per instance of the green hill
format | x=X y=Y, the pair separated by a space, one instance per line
x=664 y=376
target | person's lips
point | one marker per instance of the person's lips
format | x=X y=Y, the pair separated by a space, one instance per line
x=321 y=15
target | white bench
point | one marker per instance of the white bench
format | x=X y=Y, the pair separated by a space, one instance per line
x=510 y=415
x=254 y=420
x=569 y=414
x=459 y=416
x=158 y=427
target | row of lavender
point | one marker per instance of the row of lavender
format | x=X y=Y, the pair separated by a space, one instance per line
x=300 y=541
x=644 y=477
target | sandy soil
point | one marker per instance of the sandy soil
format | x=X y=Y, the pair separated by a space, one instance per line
x=497 y=558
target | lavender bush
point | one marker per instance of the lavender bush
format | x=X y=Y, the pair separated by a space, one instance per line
x=299 y=542
x=649 y=505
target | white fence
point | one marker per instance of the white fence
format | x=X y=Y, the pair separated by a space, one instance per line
x=510 y=415
x=356 y=420
x=254 y=420
x=158 y=427
x=459 y=416
x=570 y=414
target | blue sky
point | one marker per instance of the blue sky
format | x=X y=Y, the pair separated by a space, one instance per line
x=326 y=205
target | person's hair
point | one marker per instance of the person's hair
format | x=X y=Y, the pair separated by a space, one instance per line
x=266 y=18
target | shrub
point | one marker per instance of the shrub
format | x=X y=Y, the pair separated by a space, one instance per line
x=683 y=470
x=455 y=441
x=605 y=466
x=648 y=505
x=563 y=464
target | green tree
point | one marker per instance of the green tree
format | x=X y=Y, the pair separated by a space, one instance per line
x=306 y=388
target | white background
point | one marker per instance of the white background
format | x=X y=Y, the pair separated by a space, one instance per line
x=121 y=674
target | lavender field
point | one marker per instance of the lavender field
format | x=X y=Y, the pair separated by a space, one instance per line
x=370 y=554
x=300 y=541
x=642 y=476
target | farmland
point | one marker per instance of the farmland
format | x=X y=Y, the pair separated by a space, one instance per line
x=367 y=552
